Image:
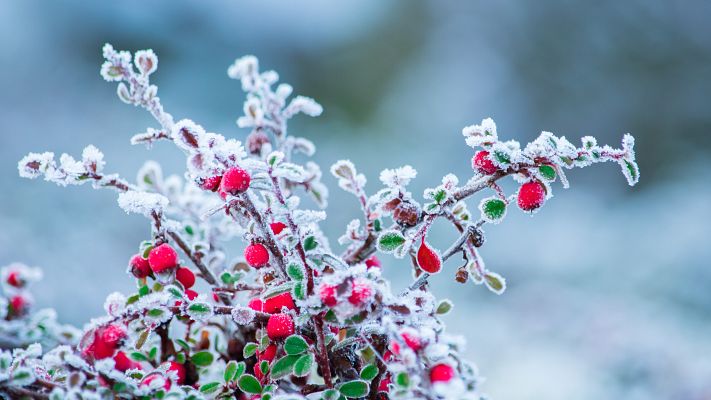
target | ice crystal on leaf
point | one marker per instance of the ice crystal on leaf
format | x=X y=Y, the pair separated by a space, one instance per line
x=199 y=323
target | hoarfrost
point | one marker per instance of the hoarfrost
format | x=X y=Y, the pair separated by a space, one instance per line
x=142 y=202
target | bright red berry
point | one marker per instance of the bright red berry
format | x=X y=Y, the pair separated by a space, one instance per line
x=18 y=304
x=139 y=266
x=428 y=259
x=274 y=304
x=531 y=195
x=162 y=258
x=256 y=304
x=361 y=291
x=277 y=227
x=412 y=341
x=234 y=181
x=441 y=373
x=191 y=294
x=147 y=381
x=179 y=370
x=256 y=255
x=327 y=293
x=211 y=183
x=372 y=262
x=107 y=339
x=185 y=276
x=268 y=354
x=385 y=384
x=280 y=326
x=482 y=163
x=14 y=279
x=123 y=363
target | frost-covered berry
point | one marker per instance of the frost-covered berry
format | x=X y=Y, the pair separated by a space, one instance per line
x=179 y=370
x=150 y=378
x=18 y=304
x=372 y=262
x=139 y=266
x=211 y=183
x=384 y=385
x=185 y=276
x=407 y=214
x=123 y=363
x=428 y=259
x=256 y=304
x=441 y=373
x=482 y=163
x=280 y=326
x=256 y=255
x=162 y=258
x=191 y=294
x=234 y=181
x=531 y=195
x=107 y=339
x=268 y=354
x=277 y=227
x=274 y=304
x=327 y=293
x=14 y=279
x=412 y=341
x=361 y=292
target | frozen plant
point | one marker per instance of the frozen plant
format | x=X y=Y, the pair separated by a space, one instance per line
x=289 y=317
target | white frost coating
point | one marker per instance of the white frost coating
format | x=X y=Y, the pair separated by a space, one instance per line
x=115 y=304
x=146 y=61
x=477 y=135
x=93 y=159
x=142 y=202
x=398 y=177
x=305 y=105
x=243 y=315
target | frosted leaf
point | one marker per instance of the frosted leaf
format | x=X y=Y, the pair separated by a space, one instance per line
x=493 y=209
x=343 y=169
x=199 y=310
x=111 y=72
x=291 y=172
x=303 y=104
x=142 y=202
x=243 y=315
x=353 y=232
x=22 y=376
x=146 y=61
x=494 y=282
x=304 y=146
x=275 y=158
x=304 y=217
x=187 y=134
x=243 y=66
x=115 y=304
x=93 y=159
x=588 y=142
x=35 y=164
x=253 y=113
x=283 y=91
x=398 y=177
x=478 y=135
x=150 y=175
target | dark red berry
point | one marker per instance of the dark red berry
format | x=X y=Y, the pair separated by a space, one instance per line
x=277 y=227
x=256 y=255
x=179 y=370
x=531 y=195
x=428 y=259
x=328 y=294
x=372 y=262
x=280 y=326
x=18 y=304
x=162 y=258
x=361 y=291
x=441 y=373
x=123 y=363
x=482 y=163
x=211 y=183
x=185 y=276
x=139 y=266
x=14 y=279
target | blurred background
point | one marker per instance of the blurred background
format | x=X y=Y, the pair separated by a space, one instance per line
x=609 y=286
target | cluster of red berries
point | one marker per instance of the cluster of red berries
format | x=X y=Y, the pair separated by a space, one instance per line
x=105 y=341
x=160 y=259
x=361 y=291
x=18 y=303
x=233 y=182
x=280 y=325
x=531 y=195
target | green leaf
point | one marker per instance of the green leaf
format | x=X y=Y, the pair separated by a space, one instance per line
x=631 y=171
x=210 y=387
x=354 y=389
x=377 y=225
x=330 y=394
x=369 y=372
x=444 y=307
x=199 y=308
x=547 y=172
x=502 y=157
x=302 y=366
x=132 y=299
x=439 y=196
x=295 y=272
x=495 y=282
x=402 y=380
x=137 y=356
x=180 y=358
x=295 y=344
x=299 y=291
x=390 y=241
x=182 y=343
x=143 y=290
x=492 y=209
x=142 y=339
x=249 y=349
x=202 y=359
x=154 y=312
x=310 y=243
x=264 y=366
x=249 y=384
x=283 y=366
x=230 y=371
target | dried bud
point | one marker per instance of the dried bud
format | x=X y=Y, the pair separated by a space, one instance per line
x=462 y=275
x=256 y=140
x=407 y=214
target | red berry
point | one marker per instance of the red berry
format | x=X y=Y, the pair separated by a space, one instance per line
x=268 y=354
x=411 y=341
x=441 y=373
x=256 y=304
x=531 y=195
x=274 y=304
x=428 y=259
x=162 y=258
x=277 y=227
x=147 y=381
x=211 y=183
x=179 y=369
x=328 y=294
x=14 y=279
x=234 y=181
x=280 y=326
x=123 y=363
x=372 y=262
x=361 y=291
x=256 y=255
x=107 y=340
x=18 y=304
x=139 y=266
x=482 y=163
x=191 y=294
x=185 y=276
x=385 y=384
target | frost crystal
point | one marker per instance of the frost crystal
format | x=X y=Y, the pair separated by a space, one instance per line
x=142 y=202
